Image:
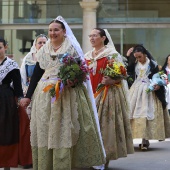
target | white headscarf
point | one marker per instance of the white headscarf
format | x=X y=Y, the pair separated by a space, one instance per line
x=110 y=43
x=33 y=48
x=76 y=45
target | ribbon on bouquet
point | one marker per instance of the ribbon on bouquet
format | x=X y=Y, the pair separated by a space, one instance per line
x=58 y=87
x=105 y=89
x=47 y=88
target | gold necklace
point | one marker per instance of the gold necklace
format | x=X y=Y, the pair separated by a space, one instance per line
x=96 y=52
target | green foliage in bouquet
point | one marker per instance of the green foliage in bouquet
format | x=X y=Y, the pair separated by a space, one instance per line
x=73 y=69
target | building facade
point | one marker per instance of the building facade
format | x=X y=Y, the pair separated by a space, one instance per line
x=129 y=22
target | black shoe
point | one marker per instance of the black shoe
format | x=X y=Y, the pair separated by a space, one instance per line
x=143 y=147
x=27 y=166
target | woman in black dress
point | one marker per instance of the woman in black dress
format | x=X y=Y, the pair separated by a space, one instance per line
x=10 y=93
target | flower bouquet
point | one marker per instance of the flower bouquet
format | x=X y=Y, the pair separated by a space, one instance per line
x=159 y=78
x=115 y=70
x=72 y=69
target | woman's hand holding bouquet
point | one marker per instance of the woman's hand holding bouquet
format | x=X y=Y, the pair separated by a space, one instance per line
x=106 y=80
x=158 y=79
x=72 y=73
x=112 y=75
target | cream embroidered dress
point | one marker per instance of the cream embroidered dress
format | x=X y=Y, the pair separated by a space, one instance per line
x=64 y=133
x=113 y=112
x=148 y=120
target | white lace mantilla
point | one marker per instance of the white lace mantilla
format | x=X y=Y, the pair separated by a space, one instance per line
x=6 y=67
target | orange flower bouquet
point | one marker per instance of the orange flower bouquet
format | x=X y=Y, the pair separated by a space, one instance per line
x=115 y=70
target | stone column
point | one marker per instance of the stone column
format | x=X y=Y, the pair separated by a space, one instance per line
x=89 y=21
x=21 y=9
x=11 y=12
x=5 y=12
x=43 y=8
x=8 y=18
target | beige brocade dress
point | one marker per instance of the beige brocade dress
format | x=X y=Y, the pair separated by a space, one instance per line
x=64 y=133
x=114 y=123
x=113 y=114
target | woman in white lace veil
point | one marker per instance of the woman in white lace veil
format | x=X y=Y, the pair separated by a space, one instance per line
x=28 y=65
x=112 y=103
x=67 y=130
x=30 y=59
x=76 y=45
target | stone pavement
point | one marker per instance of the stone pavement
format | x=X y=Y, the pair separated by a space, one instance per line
x=156 y=158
